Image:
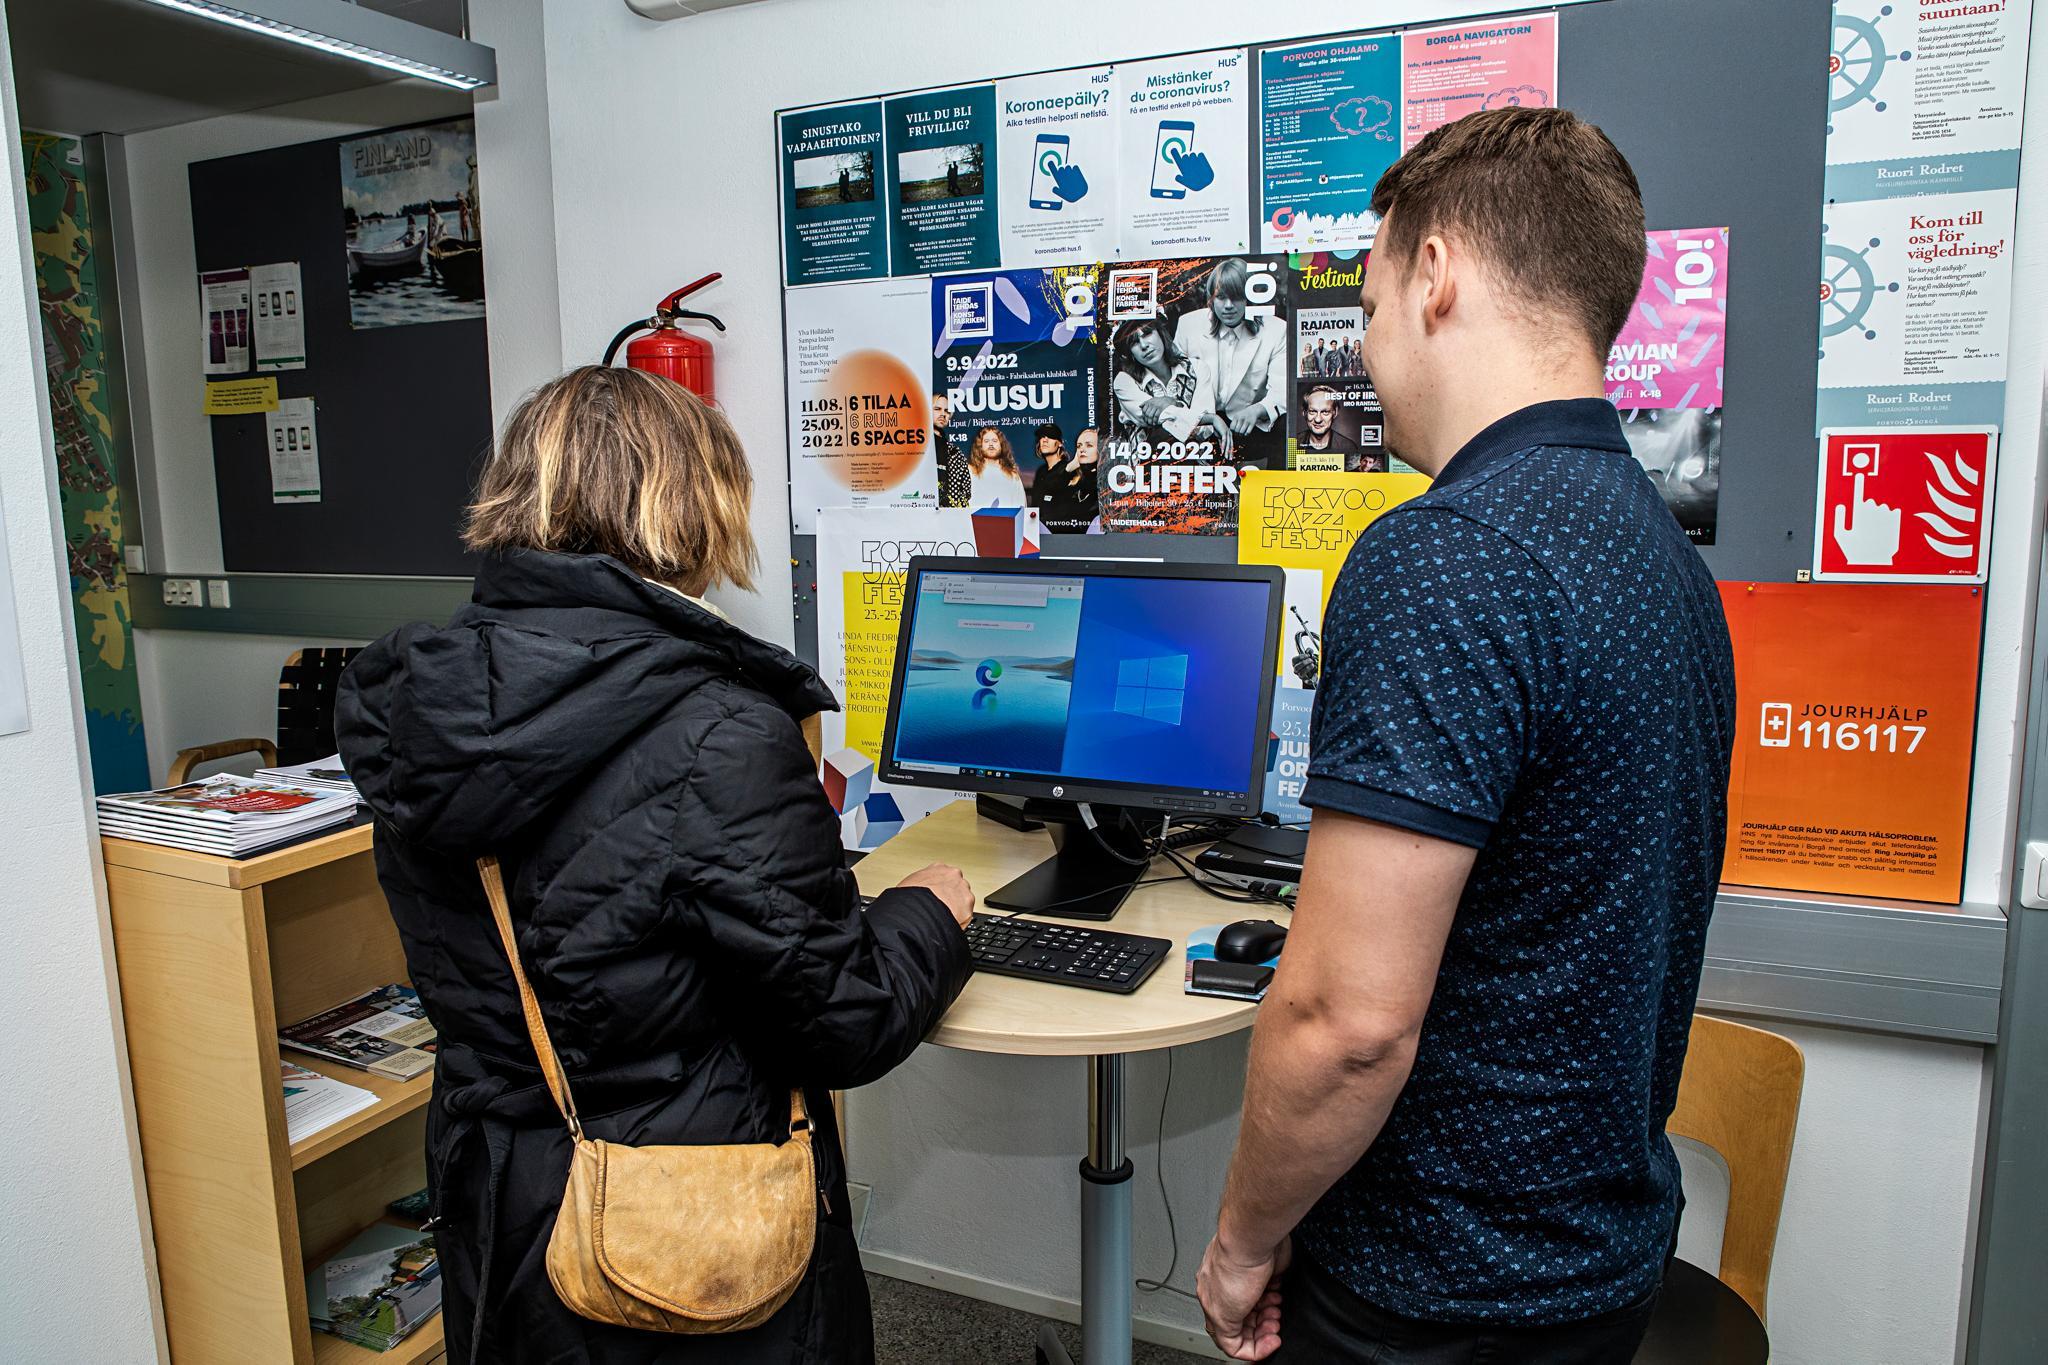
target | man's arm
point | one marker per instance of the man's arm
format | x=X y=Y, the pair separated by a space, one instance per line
x=1331 y=1051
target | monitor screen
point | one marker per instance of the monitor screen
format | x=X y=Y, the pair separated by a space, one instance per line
x=1145 y=682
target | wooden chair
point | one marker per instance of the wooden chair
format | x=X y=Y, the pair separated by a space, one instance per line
x=305 y=716
x=1739 y=1096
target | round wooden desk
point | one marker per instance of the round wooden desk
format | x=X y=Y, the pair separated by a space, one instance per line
x=1045 y=1019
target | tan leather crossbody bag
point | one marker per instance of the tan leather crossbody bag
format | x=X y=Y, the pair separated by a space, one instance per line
x=671 y=1239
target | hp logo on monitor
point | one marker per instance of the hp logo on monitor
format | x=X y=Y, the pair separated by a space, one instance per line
x=1059 y=791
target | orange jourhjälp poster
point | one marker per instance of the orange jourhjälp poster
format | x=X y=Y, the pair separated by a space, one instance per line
x=1855 y=723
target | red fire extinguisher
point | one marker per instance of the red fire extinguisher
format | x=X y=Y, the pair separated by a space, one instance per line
x=667 y=350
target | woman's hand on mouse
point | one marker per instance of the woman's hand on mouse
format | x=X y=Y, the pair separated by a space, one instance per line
x=950 y=886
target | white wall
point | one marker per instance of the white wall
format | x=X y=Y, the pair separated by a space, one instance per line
x=75 y=1253
x=199 y=687
x=662 y=168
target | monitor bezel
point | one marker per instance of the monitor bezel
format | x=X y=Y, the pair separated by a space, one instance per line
x=1083 y=790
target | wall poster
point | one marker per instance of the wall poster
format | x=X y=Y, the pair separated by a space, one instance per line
x=280 y=316
x=1916 y=306
x=860 y=413
x=831 y=210
x=1193 y=391
x=1665 y=373
x=1487 y=64
x=1329 y=126
x=1061 y=126
x=224 y=322
x=1925 y=98
x=1855 y=726
x=1924 y=111
x=94 y=504
x=414 y=232
x=1336 y=422
x=1183 y=155
x=294 y=451
x=1014 y=373
x=861 y=561
x=942 y=180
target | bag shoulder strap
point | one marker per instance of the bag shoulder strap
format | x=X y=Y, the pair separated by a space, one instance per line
x=536 y=1027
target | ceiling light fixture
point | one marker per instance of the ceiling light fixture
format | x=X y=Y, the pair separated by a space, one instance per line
x=362 y=35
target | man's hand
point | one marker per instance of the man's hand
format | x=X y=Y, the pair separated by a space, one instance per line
x=1241 y=1299
x=1243 y=418
x=950 y=886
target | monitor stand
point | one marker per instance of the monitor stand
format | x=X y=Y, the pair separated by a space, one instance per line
x=1081 y=880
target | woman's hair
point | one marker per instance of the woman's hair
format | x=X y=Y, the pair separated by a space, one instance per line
x=1227 y=281
x=977 y=461
x=623 y=463
x=1127 y=337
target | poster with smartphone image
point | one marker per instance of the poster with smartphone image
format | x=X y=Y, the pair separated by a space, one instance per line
x=280 y=316
x=1183 y=154
x=1060 y=125
x=294 y=452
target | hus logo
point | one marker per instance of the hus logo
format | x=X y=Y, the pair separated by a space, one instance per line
x=1777 y=725
x=987 y=671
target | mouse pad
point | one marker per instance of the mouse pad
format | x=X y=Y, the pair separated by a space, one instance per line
x=1202 y=948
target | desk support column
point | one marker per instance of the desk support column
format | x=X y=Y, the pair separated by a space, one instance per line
x=1106 y=1220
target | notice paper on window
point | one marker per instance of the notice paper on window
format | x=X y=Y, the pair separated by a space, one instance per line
x=294 y=452
x=224 y=309
x=280 y=316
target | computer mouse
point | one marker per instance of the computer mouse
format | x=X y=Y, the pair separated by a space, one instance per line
x=1249 y=940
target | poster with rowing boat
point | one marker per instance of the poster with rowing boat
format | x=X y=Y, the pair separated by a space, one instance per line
x=413 y=235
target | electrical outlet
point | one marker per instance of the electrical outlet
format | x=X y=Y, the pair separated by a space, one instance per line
x=181 y=592
x=216 y=592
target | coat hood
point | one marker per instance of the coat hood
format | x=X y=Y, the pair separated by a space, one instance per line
x=460 y=736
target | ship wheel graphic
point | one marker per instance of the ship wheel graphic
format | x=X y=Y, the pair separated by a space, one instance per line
x=1857 y=62
x=1848 y=286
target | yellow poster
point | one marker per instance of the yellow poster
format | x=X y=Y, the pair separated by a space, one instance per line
x=863 y=558
x=1308 y=519
x=228 y=397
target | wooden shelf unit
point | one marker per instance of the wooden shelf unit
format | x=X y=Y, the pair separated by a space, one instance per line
x=213 y=954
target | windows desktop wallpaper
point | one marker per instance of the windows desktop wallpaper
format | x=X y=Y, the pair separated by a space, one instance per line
x=1149 y=681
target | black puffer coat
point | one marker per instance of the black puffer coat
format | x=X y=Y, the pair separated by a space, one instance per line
x=682 y=908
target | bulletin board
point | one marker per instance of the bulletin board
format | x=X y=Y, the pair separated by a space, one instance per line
x=1654 y=74
x=1811 y=376
x=403 y=412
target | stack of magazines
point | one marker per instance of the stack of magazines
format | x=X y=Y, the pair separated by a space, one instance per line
x=230 y=816
x=384 y=1032
x=377 y=1290
x=326 y=775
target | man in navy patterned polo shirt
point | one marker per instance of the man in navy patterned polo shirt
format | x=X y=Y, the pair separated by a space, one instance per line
x=1453 y=1144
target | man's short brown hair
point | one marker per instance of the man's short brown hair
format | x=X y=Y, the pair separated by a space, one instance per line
x=1544 y=198
x=623 y=463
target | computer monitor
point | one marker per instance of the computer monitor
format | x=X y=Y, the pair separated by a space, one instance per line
x=1120 y=685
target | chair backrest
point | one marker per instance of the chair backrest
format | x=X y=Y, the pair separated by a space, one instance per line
x=1740 y=1096
x=305 y=703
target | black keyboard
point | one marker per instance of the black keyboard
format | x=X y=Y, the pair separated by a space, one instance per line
x=1064 y=954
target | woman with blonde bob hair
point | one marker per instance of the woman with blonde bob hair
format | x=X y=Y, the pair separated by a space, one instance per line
x=678 y=892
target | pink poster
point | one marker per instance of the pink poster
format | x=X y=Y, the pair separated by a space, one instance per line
x=1492 y=64
x=1669 y=355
